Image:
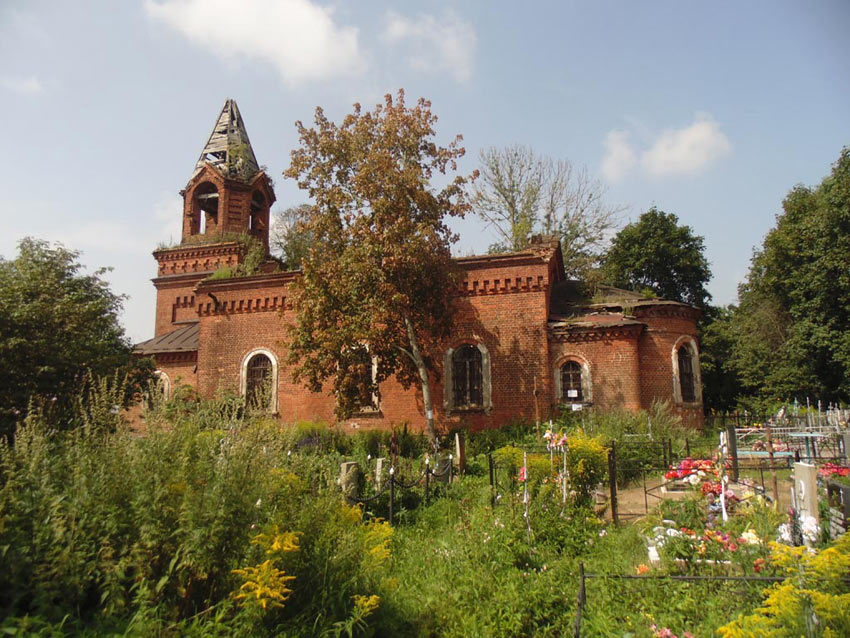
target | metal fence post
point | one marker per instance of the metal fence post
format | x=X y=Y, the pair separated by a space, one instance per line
x=427 y=479
x=732 y=441
x=392 y=492
x=582 y=599
x=492 y=480
x=612 y=480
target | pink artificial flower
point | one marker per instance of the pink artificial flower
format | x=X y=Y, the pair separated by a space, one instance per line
x=522 y=474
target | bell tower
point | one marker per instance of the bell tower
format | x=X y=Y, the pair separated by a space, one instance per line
x=228 y=194
x=226 y=206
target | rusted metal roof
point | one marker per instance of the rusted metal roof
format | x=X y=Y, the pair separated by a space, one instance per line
x=183 y=339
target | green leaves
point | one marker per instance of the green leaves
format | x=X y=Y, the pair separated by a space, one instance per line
x=380 y=248
x=657 y=253
x=56 y=324
x=792 y=328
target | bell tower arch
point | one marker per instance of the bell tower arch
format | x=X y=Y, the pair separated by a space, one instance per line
x=229 y=194
x=226 y=203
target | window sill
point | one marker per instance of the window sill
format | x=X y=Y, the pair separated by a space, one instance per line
x=469 y=410
x=691 y=405
x=367 y=413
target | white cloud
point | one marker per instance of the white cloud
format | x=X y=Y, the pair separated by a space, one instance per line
x=683 y=151
x=22 y=86
x=619 y=158
x=686 y=150
x=298 y=37
x=435 y=46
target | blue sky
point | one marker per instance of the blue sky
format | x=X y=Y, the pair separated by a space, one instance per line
x=709 y=111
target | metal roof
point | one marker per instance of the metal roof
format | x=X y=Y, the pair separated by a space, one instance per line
x=183 y=339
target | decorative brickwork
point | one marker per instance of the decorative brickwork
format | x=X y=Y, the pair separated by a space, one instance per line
x=517 y=309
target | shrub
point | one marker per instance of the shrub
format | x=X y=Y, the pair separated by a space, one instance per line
x=587 y=465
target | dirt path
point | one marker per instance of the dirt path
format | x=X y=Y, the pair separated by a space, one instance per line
x=632 y=502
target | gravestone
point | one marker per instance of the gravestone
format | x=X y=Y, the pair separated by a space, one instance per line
x=379 y=473
x=838 y=495
x=443 y=470
x=806 y=489
x=460 y=452
x=349 y=479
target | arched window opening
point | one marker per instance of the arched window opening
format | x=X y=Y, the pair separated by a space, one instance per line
x=467 y=377
x=160 y=389
x=256 y=217
x=258 y=382
x=365 y=372
x=206 y=208
x=686 y=374
x=571 y=382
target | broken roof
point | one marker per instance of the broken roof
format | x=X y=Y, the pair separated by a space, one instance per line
x=228 y=148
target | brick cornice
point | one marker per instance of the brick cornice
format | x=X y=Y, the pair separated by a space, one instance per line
x=191 y=251
x=180 y=279
x=185 y=356
x=667 y=311
x=502 y=285
x=582 y=334
x=245 y=304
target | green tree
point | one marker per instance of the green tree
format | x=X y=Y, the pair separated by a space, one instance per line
x=657 y=255
x=290 y=238
x=721 y=384
x=379 y=272
x=792 y=327
x=56 y=325
x=520 y=192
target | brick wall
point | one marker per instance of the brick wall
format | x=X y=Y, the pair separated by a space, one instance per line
x=505 y=313
x=612 y=357
x=665 y=326
x=503 y=304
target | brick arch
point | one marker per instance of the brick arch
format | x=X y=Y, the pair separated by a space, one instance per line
x=243 y=377
x=686 y=341
x=586 y=377
x=163 y=382
x=486 y=376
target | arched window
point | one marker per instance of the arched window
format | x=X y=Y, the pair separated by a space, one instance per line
x=687 y=386
x=162 y=383
x=259 y=380
x=686 y=374
x=205 y=213
x=255 y=218
x=571 y=382
x=467 y=377
x=365 y=372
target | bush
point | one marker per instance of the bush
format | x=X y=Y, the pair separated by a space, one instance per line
x=587 y=465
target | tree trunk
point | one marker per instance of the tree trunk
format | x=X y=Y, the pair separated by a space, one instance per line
x=426 y=383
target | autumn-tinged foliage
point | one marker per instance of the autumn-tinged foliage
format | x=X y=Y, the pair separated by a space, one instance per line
x=378 y=275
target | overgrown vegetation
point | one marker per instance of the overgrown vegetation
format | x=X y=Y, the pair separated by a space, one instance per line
x=60 y=329
x=218 y=522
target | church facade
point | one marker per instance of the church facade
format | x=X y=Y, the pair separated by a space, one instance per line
x=526 y=343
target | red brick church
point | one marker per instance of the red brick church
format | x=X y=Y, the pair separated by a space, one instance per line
x=526 y=342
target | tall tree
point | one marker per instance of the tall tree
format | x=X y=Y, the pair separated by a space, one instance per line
x=290 y=239
x=657 y=254
x=56 y=325
x=792 y=327
x=379 y=273
x=520 y=192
